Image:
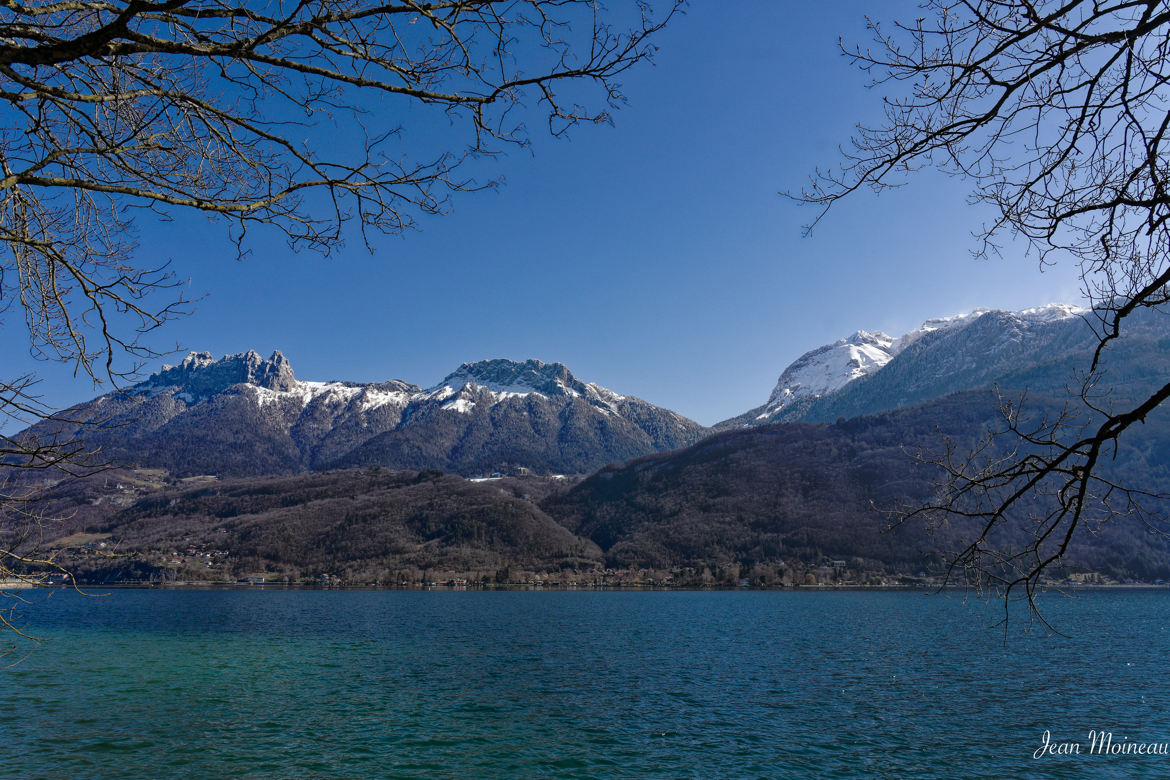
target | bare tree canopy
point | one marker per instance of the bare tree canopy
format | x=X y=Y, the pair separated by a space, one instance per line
x=1057 y=113
x=303 y=116
x=207 y=105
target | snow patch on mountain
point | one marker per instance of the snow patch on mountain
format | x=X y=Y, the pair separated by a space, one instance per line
x=302 y=393
x=501 y=390
x=1052 y=312
x=933 y=325
x=597 y=391
x=328 y=392
x=373 y=399
x=265 y=397
x=461 y=405
x=439 y=393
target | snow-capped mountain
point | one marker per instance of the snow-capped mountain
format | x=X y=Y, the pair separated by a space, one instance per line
x=243 y=414
x=828 y=368
x=493 y=381
x=870 y=372
x=500 y=414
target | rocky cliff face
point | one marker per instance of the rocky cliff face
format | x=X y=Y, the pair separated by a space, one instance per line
x=201 y=376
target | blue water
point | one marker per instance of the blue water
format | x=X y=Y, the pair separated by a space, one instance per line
x=579 y=684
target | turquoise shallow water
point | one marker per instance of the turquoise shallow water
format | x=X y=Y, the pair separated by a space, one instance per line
x=579 y=684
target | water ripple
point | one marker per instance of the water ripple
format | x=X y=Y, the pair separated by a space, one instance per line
x=474 y=684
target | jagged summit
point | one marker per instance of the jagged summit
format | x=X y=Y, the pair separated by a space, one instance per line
x=244 y=414
x=201 y=375
x=514 y=378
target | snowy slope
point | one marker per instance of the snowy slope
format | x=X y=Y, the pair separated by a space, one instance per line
x=828 y=368
x=827 y=371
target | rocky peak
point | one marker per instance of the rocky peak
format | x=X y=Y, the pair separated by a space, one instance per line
x=201 y=375
x=509 y=376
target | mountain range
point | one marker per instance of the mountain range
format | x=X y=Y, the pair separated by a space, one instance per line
x=246 y=415
x=806 y=476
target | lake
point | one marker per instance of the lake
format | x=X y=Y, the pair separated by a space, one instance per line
x=349 y=684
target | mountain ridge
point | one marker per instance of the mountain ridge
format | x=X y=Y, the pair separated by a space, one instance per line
x=854 y=375
x=245 y=415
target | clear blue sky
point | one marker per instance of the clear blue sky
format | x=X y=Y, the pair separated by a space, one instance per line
x=654 y=257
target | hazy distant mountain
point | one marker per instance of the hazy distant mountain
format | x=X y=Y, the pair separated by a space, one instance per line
x=245 y=415
x=1039 y=349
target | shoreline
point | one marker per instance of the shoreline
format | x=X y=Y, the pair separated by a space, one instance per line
x=519 y=587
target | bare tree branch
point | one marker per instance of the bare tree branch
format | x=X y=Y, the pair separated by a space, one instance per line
x=1057 y=114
